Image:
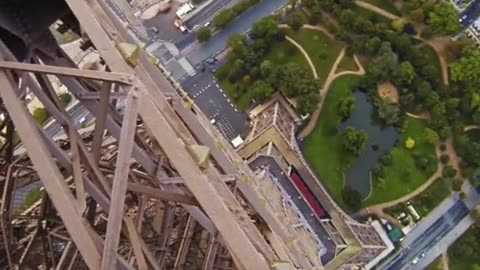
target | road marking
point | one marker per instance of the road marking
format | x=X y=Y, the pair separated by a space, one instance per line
x=224 y=95
x=217 y=85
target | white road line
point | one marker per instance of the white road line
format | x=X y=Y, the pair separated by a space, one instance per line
x=224 y=95
x=217 y=85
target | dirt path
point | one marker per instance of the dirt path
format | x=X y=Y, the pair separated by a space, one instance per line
x=440 y=46
x=309 y=60
x=471 y=127
x=423 y=116
x=445 y=261
x=377 y=10
x=324 y=90
x=320 y=28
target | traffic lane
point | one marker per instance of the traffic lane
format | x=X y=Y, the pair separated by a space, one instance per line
x=328 y=247
x=431 y=218
x=215 y=104
x=206 y=13
x=185 y=40
x=472 y=12
x=431 y=236
x=442 y=246
x=77 y=112
x=240 y=25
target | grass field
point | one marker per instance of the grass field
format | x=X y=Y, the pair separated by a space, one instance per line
x=436 y=264
x=347 y=63
x=322 y=50
x=464 y=253
x=403 y=176
x=323 y=147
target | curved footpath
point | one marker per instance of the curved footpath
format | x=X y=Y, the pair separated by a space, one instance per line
x=377 y=10
x=309 y=60
x=324 y=91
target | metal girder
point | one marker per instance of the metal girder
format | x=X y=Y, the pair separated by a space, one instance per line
x=162 y=194
x=213 y=204
x=184 y=244
x=120 y=179
x=51 y=177
x=72 y=72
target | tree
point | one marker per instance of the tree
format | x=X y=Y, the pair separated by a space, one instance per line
x=417 y=15
x=352 y=198
x=237 y=44
x=346 y=106
x=467 y=68
x=262 y=90
x=387 y=111
x=295 y=20
x=203 y=34
x=40 y=115
x=354 y=141
x=64 y=99
x=398 y=25
x=307 y=103
x=404 y=74
x=266 y=28
x=443 y=19
x=315 y=14
x=430 y=135
x=223 y=18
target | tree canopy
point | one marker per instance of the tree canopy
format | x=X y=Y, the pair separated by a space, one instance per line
x=443 y=19
x=295 y=20
x=203 y=34
x=354 y=140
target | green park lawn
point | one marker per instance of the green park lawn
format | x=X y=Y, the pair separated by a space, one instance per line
x=464 y=253
x=322 y=50
x=323 y=147
x=347 y=63
x=403 y=176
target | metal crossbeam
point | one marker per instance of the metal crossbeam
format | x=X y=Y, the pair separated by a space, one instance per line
x=122 y=78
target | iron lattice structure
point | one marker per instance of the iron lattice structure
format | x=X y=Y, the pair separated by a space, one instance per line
x=150 y=186
x=131 y=190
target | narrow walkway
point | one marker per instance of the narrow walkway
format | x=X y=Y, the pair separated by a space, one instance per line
x=471 y=127
x=423 y=115
x=309 y=60
x=377 y=10
x=324 y=91
x=445 y=261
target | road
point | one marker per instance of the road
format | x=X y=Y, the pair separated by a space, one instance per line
x=214 y=103
x=196 y=53
x=76 y=112
x=472 y=13
x=328 y=252
x=422 y=240
x=205 y=14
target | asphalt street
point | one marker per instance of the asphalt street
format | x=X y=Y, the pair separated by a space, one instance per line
x=214 y=103
x=242 y=24
x=328 y=245
x=76 y=112
x=206 y=14
x=410 y=255
x=472 y=13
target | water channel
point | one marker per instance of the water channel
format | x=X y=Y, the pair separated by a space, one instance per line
x=380 y=139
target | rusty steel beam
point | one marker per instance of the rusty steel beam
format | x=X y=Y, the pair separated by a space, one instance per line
x=162 y=194
x=184 y=244
x=120 y=179
x=115 y=77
